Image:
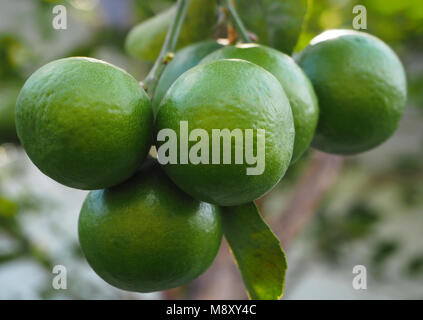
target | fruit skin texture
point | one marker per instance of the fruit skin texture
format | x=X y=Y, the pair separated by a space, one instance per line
x=84 y=123
x=146 y=235
x=232 y=94
x=361 y=87
x=145 y=40
x=184 y=60
x=297 y=87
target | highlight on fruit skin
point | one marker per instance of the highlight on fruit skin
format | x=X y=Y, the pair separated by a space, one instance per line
x=228 y=95
x=295 y=83
x=361 y=87
x=84 y=122
x=146 y=235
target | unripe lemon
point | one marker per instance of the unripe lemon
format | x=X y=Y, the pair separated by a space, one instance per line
x=361 y=87
x=83 y=122
x=297 y=87
x=146 y=235
x=238 y=97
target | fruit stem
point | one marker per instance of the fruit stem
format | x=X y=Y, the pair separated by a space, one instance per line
x=237 y=22
x=168 y=49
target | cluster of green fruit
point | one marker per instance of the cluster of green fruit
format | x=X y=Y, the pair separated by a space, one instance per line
x=90 y=125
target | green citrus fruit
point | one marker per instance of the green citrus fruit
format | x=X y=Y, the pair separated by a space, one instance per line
x=184 y=60
x=361 y=87
x=8 y=95
x=233 y=95
x=145 y=40
x=146 y=235
x=295 y=83
x=83 y=122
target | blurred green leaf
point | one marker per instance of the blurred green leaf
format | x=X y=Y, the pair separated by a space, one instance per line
x=257 y=251
x=415 y=266
x=145 y=40
x=383 y=251
x=277 y=23
x=41 y=256
x=8 y=208
x=415 y=90
x=8 y=95
x=360 y=220
x=334 y=232
x=12 y=52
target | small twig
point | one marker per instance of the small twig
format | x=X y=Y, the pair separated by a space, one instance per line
x=237 y=22
x=222 y=21
x=232 y=34
x=168 y=49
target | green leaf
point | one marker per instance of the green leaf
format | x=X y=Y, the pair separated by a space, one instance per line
x=145 y=40
x=8 y=208
x=257 y=251
x=277 y=23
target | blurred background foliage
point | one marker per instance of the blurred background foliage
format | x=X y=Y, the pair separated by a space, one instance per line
x=373 y=216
